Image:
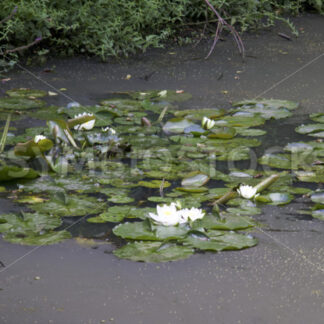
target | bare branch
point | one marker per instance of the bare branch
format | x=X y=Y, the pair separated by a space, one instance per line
x=220 y=25
x=37 y=40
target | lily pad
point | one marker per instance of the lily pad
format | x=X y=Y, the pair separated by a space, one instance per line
x=227 y=241
x=230 y=222
x=154 y=184
x=153 y=252
x=10 y=172
x=14 y=103
x=279 y=161
x=309 y=128
x=195 y=179
x=74 y=205
x=318 y=197
x=48 y=238
x=198 y=114
x=177 y=125
x=319 y=214
x=273 y=103
x=26 y=93
x=135 y=231
x=318 y=117
x=222 y=132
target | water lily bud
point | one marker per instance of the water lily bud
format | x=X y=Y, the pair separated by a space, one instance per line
x=38 y=138
x=207 y=123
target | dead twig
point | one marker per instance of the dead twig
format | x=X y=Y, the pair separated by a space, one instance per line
x=20 y=48
x=220 y=25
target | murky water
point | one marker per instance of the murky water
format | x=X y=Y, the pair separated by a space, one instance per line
x=279 y=281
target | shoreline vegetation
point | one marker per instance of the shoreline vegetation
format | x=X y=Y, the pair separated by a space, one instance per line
x=40 y=28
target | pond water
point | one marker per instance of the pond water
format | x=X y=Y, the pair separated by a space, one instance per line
x=205 y=286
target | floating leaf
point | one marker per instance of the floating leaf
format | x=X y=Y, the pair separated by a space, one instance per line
x=319 y=214
x=74 y=206
x=279 y=161
x=26 y=93
x=227 y=241
x=317 y=117
x=250 y=131
x=195 y=179
x=33 y=149
x=177 y=125
x=309 y=128
x=11 y=172
x=135 y=231
x=154 y=184
x=153 y=252
x=318 y=197
x=198 y=114
x=14 y=103
x=230 y=222
x=272 y=103
x=308 y=176
x=222 y=132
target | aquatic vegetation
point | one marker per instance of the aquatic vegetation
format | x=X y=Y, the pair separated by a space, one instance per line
x=156 y=182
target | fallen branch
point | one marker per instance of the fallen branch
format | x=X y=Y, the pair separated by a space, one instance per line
x=20 y=48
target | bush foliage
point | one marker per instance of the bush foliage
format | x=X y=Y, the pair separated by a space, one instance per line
x=119 y=27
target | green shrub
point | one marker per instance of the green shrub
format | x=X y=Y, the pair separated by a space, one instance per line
x=120 y=27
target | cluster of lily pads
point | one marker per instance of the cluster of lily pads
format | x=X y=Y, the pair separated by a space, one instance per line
x=140 y=163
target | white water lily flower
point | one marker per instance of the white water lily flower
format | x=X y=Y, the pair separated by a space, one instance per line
x=109 y=129
x=191 y=214
x=166 y=215
x=246 y=191
x=38 y=138
x=87 y=125
x=163 y=93
x=207 y=123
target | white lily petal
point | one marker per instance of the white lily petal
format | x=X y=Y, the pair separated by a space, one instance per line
x=246 y=191
x=38 y=138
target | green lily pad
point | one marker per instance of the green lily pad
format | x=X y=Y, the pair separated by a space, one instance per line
x=135 y=231
x=279 y=161
x=276 y=198
x=318 y=197
x=319 y=214
x=14 y=103
x=31 y=228
x=177 y=125
x=199 y=114
x=26 y=93
x=309 y=176
x=230 y=222
x=298 y=147
x=195 y=179
x=272 y=103
x=74 y=205
x=227 y=241
x=222 y=132
x=161 y=95
x=309 y=128
x=48 y=238
x=250 y=131
x=317 y=117
x=11 y=172
x=154 y=184
x=153 y=252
